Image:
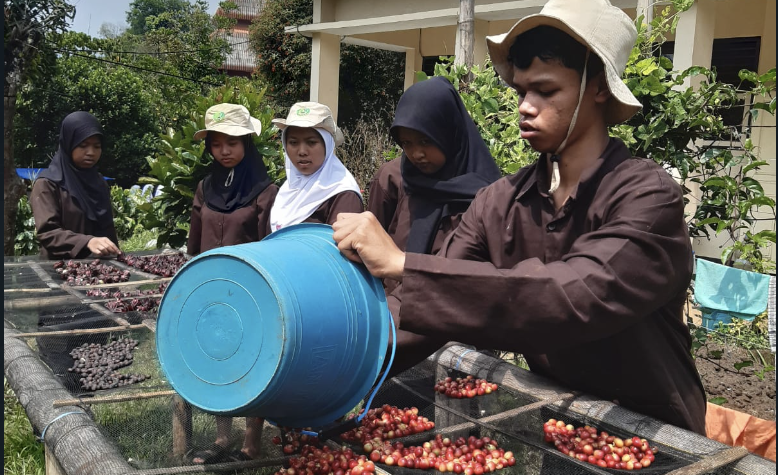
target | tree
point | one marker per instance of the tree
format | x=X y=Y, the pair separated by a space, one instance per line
x=135 y=84
x=26 y=24
x=182 y=45
x=141 y=10
x=110 y=30
x=284 y=61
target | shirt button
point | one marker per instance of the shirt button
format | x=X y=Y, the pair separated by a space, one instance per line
x=551 y=227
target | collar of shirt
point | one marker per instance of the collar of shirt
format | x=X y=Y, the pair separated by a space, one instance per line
x=615 y=153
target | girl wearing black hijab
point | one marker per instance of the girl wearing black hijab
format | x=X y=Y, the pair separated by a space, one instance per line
x=444 y=164
x=420 y=198
x=231 y=206
x=70 y=200
x=71 y=204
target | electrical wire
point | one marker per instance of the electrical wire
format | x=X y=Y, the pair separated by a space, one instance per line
x=160 y=53
x=162 y=73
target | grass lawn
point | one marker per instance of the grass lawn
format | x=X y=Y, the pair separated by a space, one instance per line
x=22 y=452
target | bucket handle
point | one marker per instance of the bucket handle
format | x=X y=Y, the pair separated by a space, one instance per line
x=344 y=426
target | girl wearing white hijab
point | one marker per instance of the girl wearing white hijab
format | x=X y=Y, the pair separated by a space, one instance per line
x=318 y=185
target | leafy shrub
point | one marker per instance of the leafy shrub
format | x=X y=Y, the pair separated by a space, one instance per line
x=26 y=242
x=367 y=146
x=127 y=214
x=679 y=127
x=181 y=162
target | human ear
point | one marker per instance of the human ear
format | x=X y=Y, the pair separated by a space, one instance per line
x=602 y=92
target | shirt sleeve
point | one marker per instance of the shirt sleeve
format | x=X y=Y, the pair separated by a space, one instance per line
x=634 y=262
x=382 y=197
x=346 y=202
x=47 y=211
x=264 y=203
x=196 y=223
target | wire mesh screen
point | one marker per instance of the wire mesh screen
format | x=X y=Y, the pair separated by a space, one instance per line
x=98 y=342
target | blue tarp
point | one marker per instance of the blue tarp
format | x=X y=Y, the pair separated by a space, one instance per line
x=32 y=173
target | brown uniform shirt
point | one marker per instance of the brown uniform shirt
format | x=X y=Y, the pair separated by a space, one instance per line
x=327 y=212
x=391 y=205
x=210 y=229
x=591 y=294
x=62 y=227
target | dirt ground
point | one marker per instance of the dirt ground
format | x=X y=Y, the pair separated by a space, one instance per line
x=743 y=390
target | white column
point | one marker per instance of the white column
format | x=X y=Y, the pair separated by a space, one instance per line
x=410 y=68
x=694 y=38
x=325 y=70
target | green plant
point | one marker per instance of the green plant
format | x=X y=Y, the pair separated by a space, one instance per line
x=181 y=162
x=366 y=147
x=141 y=240
x=26 y=242
x=127 y=216
x=26 y=24
x=681 y=127
x=748 y=334
x=718 y=400
x=765 y=369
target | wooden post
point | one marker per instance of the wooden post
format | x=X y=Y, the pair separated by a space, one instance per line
x=465 y=42
x=182 y=426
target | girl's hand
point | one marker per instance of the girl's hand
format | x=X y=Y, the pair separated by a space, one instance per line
x=102 y=246
x=361 y=238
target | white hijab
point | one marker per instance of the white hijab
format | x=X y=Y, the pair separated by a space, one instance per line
x=301 y=195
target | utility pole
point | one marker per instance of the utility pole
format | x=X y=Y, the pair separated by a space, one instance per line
x=465 y=34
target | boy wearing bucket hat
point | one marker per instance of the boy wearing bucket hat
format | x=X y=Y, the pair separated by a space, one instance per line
x=318 y=186
x=582 y=261
x=231 y=206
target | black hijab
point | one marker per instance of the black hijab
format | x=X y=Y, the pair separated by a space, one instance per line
x=434 y=108
x=85 y=185
x=249 y=180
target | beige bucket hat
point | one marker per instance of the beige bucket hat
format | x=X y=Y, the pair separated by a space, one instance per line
x=311 y=114
x=230 y=119
x=606 y=30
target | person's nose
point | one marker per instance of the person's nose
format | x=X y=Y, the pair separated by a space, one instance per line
x=526 y=108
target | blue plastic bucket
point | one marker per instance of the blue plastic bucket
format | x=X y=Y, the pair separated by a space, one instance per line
x=285 y=328
x=711 y=318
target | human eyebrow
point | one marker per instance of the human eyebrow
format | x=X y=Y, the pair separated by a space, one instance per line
x=543 y=82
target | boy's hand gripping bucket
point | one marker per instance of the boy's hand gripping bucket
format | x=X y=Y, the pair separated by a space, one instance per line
x=285 y=328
